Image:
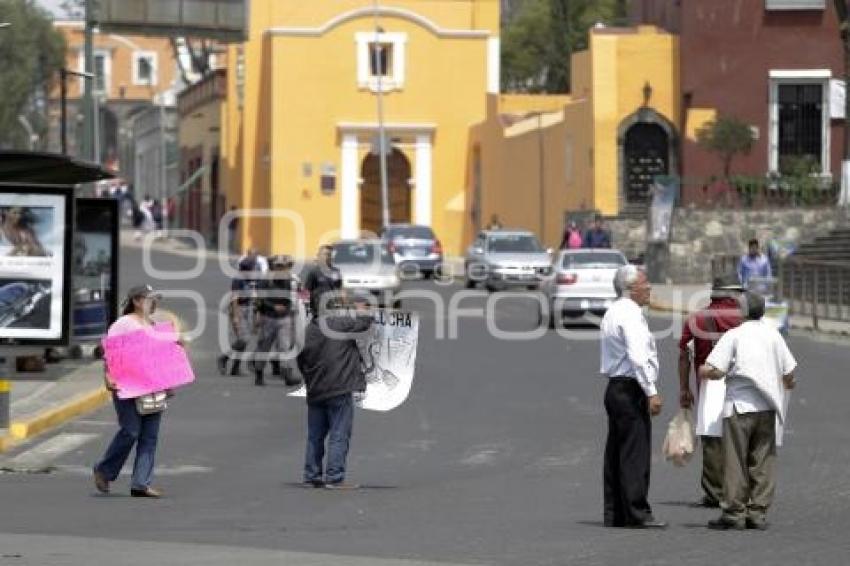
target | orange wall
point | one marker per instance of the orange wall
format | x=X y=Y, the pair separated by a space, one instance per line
x=121 y=48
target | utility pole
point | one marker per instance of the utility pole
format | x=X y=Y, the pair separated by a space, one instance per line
x=88 y=99
x=541 y=172
x=382 y=138
x=63 y=104
x=844 y=27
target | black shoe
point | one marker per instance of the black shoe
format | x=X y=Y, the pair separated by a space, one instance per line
x=649 y=524
x=147 y=492
x=313 y=484
x=258 y=379
x=757 y=524
x=723 y=524
x=222 y=364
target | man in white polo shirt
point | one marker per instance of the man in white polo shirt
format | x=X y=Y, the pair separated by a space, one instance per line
x=629 y=361
x=758 y=366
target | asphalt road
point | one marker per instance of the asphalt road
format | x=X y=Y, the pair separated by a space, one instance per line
x=496 y=458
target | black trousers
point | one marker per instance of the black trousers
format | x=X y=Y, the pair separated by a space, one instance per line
x=627 y=454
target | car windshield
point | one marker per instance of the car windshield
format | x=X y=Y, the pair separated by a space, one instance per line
x=514 y=243
x=410 y=232
x=361 y=254
x=593 y=260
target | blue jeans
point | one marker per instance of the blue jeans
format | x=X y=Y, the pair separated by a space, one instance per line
x=331 y=419
x=139 y=430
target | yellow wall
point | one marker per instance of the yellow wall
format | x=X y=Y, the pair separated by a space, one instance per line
x=526 y=103
x=299 y=87
x=580 y=147
x=622 y=64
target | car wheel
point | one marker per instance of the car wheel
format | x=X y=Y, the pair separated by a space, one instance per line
x=470 y=282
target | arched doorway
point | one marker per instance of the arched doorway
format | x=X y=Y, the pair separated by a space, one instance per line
x=398 y=184
x=646 y=155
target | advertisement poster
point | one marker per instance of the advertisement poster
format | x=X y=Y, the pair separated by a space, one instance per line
x=94 y=268
x=389 y=360
x=665 y=191
x=34 y=239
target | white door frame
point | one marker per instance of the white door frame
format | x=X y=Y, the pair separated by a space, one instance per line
x=355 y=135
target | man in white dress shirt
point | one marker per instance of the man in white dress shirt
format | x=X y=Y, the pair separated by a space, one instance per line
x=758 y=368
x=629 y=361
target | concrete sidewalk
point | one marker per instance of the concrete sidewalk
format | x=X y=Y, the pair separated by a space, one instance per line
x=686 y=299
x=42 y=401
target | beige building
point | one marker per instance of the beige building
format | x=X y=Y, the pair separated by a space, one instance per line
x=131 y=74
x=201 y=110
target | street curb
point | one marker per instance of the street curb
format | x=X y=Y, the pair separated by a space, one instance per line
x=20 y=431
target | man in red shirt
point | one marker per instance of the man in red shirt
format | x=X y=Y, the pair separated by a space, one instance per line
x=704 y=328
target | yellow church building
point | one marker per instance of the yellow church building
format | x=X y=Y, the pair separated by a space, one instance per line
x=302 y=107
x=299 y=142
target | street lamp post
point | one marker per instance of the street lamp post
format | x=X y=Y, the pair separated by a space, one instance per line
x=382 y=138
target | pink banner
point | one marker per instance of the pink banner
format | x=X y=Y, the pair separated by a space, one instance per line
x=147 y=361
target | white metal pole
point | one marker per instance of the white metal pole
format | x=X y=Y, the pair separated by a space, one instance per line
x=382 y=141
x=163 y=181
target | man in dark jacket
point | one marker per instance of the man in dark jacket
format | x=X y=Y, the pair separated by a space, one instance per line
x=332 y=368
x=703 y=329
x=324 y=278
x=597 y=236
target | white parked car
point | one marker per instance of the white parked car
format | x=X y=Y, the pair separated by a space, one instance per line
x=506 y=259
x=368 y=266
x=582 y=282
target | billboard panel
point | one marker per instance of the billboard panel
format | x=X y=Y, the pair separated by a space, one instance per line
x=95 y=267
x=224 y=20
x=35 y=261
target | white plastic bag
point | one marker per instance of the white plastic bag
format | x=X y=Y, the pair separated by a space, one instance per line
x=680 y=441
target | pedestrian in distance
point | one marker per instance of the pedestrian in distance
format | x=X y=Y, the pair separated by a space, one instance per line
x=758 y=368
x=753 y=264
x=136 y=428
x=241 y=315
x=333 y=373
x=323 y=281
x=699 y=334
x=277 y=309
x=572 y=239
x=232 y=231
x=629 y=361
x=597 y=236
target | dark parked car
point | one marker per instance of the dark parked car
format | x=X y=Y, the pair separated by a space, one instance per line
x=414 y=248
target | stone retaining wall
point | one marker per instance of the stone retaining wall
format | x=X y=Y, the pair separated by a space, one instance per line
x=699 y=235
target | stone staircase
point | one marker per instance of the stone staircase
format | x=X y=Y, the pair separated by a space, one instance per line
x=833 y=247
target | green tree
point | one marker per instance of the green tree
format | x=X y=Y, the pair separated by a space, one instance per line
x=727 y=137
x=32 y=52
x=539 y=36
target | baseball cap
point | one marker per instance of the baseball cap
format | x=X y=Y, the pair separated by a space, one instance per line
x=142 y=291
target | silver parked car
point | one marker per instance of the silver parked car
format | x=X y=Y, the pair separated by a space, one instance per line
x=367 y=265
x=502 y=259
x=415 y=249
x=583 y=282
